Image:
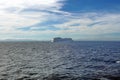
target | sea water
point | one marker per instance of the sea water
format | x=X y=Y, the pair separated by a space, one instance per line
x=80 y=60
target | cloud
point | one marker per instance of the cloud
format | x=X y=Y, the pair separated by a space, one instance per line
x=14 y=14
x=34 y=18
x=26 y=4
x=101 y=24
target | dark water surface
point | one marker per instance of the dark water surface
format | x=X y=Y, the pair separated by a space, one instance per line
x=85 y=60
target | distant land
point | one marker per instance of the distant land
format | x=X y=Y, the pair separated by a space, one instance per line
x=59 y=39
x=52 y=40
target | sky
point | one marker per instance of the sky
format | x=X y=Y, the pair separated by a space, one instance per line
x=46 y=19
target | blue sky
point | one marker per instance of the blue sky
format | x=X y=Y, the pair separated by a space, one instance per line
x=45 y=19
x=92 y=5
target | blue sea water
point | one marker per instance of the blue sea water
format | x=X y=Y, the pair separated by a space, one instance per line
x=37 y=60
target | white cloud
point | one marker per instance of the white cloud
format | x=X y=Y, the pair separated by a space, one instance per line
x=24 y=13
x=12 y=14
x=22 y=4
x=107 y=23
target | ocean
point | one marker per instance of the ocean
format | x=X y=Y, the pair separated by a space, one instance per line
x=79 y=60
